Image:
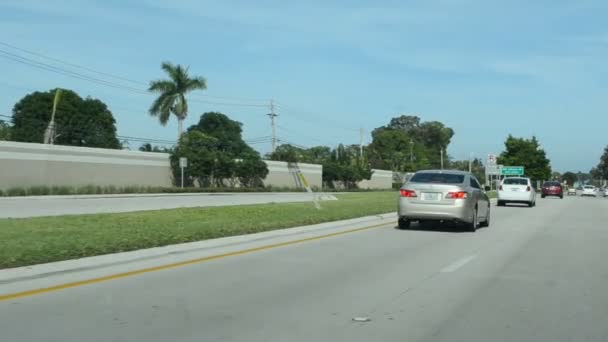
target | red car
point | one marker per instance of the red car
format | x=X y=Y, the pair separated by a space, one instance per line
x=552 y=189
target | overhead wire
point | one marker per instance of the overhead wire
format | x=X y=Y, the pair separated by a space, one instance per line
x=117 y=77
x=77 y=75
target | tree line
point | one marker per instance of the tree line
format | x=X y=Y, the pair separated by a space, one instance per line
x=218 y=156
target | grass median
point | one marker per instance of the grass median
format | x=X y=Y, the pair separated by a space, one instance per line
x=46 y=239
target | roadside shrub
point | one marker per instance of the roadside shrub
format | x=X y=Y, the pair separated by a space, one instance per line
x=41 y=190
x=110 y=189
x=16 y=191
x=62 y=190
x=88 y=190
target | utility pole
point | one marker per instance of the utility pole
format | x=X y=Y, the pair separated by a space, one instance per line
x=273 y=125
x=441 y=158
x=362 y=134
x=470 y=162
x=412 y=151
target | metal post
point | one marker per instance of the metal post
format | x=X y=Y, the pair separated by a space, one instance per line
x=441 y=158
x=412 y=151
x=182 y=177
x=273 y=125
x=362 y=133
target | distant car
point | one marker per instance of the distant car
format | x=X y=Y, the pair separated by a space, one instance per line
x=442 y=195
x=606 y=192
x=589 y=190
x=516 y=190
x=571 y=191
x=552 y=188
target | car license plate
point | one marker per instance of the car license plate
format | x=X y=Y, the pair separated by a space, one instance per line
x=431 y=196
x=514 y=189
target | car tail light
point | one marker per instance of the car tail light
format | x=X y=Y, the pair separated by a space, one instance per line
x=528 y=188
x=408 y=193
x=500 y=188
x=457 y=195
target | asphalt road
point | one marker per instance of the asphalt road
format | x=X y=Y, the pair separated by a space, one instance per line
x=537 y=274
x=19 y=207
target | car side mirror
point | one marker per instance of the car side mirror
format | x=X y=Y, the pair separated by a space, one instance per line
x=487 y=188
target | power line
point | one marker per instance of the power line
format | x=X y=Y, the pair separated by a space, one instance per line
x=51 y=68
x=117 y=77
x=70 y=64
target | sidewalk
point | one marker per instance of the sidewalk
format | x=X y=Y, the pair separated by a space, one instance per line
x=36 y=206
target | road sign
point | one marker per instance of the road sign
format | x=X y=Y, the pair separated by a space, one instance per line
x=492 y=170
x=512 y=171
x=183 y=163
x=491 y=159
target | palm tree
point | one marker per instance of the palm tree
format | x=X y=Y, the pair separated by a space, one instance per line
x=172 y=94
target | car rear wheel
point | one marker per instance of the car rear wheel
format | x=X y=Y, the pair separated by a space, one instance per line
x=472 y=226
x=542 y=196
x=486 y=223
x=404 y=224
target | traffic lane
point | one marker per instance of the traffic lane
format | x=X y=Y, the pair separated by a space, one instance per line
x=553 y=289
x=398 y=278
x=54 y=206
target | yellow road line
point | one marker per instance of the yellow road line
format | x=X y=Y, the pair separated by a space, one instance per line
x=175 y=265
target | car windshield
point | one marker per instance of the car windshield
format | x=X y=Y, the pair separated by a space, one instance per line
x=438 y=178
x=515 y=181
x=589 y=187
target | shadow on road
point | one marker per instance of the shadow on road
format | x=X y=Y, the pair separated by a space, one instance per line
x=442 y=227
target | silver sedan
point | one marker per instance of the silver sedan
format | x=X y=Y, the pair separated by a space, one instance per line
x=442 y=195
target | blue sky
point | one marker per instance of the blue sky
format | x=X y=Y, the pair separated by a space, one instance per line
x=485 y=68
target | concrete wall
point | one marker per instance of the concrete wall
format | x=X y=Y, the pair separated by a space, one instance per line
x=25 y=164
x=279 y=175
x=381 y=179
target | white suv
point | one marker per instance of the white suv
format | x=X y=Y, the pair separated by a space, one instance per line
x=516 y=190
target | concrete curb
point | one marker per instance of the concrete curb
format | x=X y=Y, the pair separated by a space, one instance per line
x=109 y=262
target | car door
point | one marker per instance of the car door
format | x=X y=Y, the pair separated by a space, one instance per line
x=480 y=197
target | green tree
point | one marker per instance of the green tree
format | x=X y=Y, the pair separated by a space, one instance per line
x=201 y=153
x=5 y=131
x=343 y=164
x=389 y=150
x=407 y=144
x=477 y=167
x=217 y=154
x=226 y=131
x=78 y=122
x=602 y=167
x=570 y=178
x=287 y=153
x=172 y=94
x=529 y=154
x=147 y=147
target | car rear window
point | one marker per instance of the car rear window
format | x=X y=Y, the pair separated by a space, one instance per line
x=589 y=187
x=515 y=181
x=438 y=178
x=552 y=184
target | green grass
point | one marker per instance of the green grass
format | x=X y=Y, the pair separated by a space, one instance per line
x=46 y=239
x=492 y=194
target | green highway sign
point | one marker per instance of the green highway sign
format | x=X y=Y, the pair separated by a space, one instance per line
x=512 y=171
